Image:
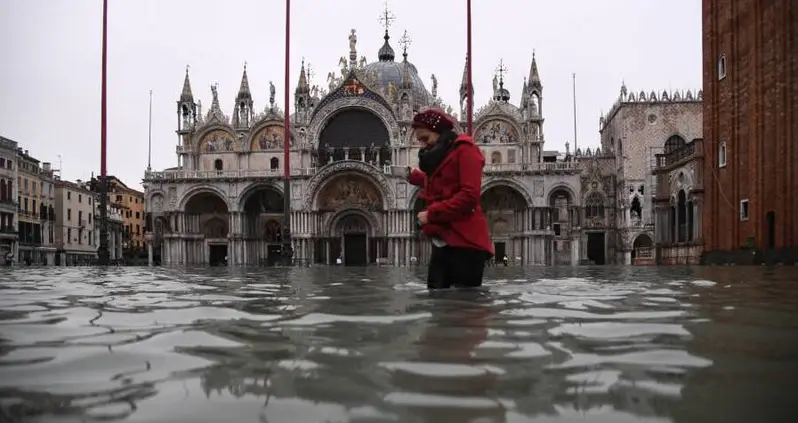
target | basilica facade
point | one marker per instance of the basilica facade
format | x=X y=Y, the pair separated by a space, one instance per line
x=224 y=202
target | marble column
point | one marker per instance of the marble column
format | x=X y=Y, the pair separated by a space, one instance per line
x=149 y=254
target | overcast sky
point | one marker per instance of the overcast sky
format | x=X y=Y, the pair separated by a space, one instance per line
x=51 y=50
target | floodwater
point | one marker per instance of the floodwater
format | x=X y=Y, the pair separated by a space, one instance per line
x=334 y=345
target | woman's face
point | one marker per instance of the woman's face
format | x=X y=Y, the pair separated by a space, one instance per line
x=426 y=137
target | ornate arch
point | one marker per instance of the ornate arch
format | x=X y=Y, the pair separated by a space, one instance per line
x=255 y=187
x=196 y=143
x=152 y=196
x=510 y=184
x=575 y=200
x=336 y=218
x=263 y=124
x=680 y=179
x=200 y=189
x=320 y=179
x=513 y=125
x=323 y=115
x=650 y=242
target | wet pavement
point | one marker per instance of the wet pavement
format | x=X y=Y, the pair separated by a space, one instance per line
x=372 y=345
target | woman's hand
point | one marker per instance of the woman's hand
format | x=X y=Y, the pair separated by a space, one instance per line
x=422 y=218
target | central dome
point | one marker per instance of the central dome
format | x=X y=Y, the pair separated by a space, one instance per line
x=387 y=71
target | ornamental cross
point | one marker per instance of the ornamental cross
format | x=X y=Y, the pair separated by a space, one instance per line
x=387 y=18
x=501 y=70
x=405 y=41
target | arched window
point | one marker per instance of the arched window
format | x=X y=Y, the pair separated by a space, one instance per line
x=674 y=143
x=274 y=163
x=594 y=206
x=496 y=158
x=218 y=164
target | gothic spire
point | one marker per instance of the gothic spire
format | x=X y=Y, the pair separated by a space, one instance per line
x=243 y=90
x=464 y=82
x=534 y=76
x=186 y=96
x=302 y=86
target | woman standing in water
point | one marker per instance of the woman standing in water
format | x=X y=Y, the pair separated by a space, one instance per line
x=450 y=174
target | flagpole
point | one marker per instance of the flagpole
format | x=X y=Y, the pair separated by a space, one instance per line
x=469 y=61
x=149 y=138
x=287 y=250
x=103 y=254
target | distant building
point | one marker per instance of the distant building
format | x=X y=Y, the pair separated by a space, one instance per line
x=653 y=210
x=75 y=208
x=751 y=132
x=35 y=210
x=131 y=204
x=8 y=200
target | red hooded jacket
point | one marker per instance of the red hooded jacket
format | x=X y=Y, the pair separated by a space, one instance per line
x=452 y=193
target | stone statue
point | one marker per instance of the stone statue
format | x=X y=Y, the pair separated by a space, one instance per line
x=495 y=85
x=272 y=92
x=363 y=61
x=391 y=91
x=343 y=64
x=353 y=41
x=215 y=94
x=332 y=81
x=434 y=86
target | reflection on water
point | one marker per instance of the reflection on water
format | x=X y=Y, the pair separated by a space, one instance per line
x=371 y=345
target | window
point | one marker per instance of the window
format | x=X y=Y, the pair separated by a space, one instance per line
x=89 y=217
x=69 y=236
x=80 y=198
x=69 y=195
x=722 y=154
x=744 y=210
x=274 y=163
x=69 y=214
x=721 y=67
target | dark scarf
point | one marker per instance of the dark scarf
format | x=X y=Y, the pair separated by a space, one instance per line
x=429 y=158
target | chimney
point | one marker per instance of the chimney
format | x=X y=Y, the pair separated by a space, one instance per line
x=46 y=167
x=26 y=152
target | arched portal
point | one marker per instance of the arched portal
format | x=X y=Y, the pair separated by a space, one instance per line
x=353 y=230
x=349 y=202
x=206 y=215
x=642 y=249
x=502 y=206
x=263 y=229
x=355 y=134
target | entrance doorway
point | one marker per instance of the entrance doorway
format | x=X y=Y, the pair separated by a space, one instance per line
x=770 y=218
x=355 y=250
x=595 y=248
x=499 y=250
x=273 y=253
x=218 y=255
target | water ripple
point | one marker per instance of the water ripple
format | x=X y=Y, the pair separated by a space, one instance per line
x=371 y=345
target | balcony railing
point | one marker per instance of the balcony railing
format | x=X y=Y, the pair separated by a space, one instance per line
x=530 y=167
x=181 y=174
x=176 y=175
x=683 y=153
